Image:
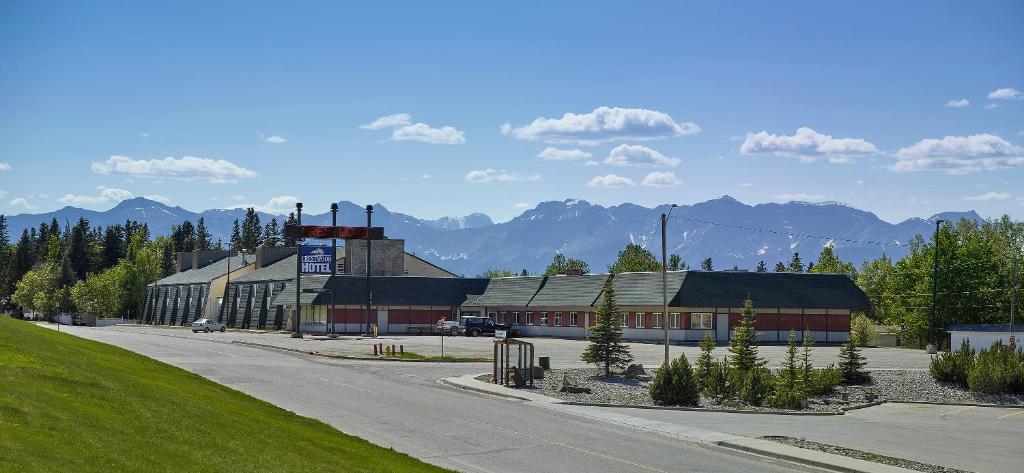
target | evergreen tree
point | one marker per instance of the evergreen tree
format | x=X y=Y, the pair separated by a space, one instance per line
x=524 y=273
x=5 y=260
x=743 y=346
x=606 y=348
x=851 y=364
x=806 y=368
x=674 y=384
x=795 y=265
x=236 y=236
x=167 y=257
x=829 y=262
x=203 y=239
x=78 y=251
x=705 y=362
x=788 y=392
x=288 y=240
x=634 y=258
x=251 y=230
x=562 y=265
x=675 y=262
x=779 y=267
x=113 y=246
x=272 y=234
x=761 y=267
x=497 y=273
x=188 y=237
x=707 y=264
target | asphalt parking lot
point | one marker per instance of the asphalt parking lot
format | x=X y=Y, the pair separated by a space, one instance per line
x=564 y=353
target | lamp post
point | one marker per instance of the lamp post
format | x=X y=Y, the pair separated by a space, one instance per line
x=664 y=280
x=932 y=342
x=298 y=276
x=334 y=267
x=369 y=214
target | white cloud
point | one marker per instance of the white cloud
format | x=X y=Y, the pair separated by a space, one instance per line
x=4 y=166
x=275 y=139
x=158 y=198
x=555 y=154
x=281 y=204
x=492 y=175
x=959 y=154
x=591 y=163
x=522 y=205
x=661 y=179
x=144 y=135
x=425 y=176
x=961 y=103
x=989 y=196
x=1006 y=93
x=610 y=180
x=20 y=202
x=388 y=121
x=603 y=124
x=808 y=146
x=106 y=195
x=423 y=132
x=859 y=182
x=638 y=155
x=745 y=184
x=187 y=168
x=991 y=106
x=801 y=196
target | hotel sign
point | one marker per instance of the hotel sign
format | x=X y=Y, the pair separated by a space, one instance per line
x=316 y=259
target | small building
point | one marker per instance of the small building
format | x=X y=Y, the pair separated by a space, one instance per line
x=195 y=292
x=982 y=335
x=699 y=302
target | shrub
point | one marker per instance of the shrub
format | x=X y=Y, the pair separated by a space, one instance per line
x=953 y=366
x=998 y=369
x=863 y=331
x=674 y=384
x=717 y=382
x=754 y=386
x=788 y=391
x=705 y=362
x=851 y=364
x=824 y=381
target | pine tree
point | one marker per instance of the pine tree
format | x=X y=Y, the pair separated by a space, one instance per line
x=5 y=260
x=203 y=239
x=606 y=348
x=557 y=265
x=272 y=234
x=290 y=241
x=634 y=258
x=851 y=364
x=806 y=368
x=707 y=264
x=795 y=265
x=761 y=267
x=251 y=230
x=113 y=246
x=674 y=384
x=674 y=262
x=78 y=251
x=705 y=362
x=779 y=267
x=236 y=236
x=743 y=346
x=788 y=390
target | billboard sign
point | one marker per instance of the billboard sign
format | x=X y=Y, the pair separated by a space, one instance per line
x=316 y=259
x=325 y=232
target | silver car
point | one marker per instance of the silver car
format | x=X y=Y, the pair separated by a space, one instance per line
x=207 y=325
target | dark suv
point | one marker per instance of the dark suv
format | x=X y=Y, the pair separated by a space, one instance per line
x=473 y=326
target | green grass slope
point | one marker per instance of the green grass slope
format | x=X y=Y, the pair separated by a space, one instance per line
x=74 y=405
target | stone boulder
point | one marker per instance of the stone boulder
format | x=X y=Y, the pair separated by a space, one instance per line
x=569 y=386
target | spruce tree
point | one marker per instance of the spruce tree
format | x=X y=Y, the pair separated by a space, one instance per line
x=788 y=391
x=606 y=348
x=674 y=262
x=272 y=234
x=290 y=241
x=806 y=368
x=78 y=250
x=113 y=246
x=674 y=384
x=851 y=364
x=705 y=362
x=795 y=264
x=779 y=267
x=707 y=264
x=743 y=346
x=762 y=267
x=236 y=236
x=251 y=230
x=203 y=239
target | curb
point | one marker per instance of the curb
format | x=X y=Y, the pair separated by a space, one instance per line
x=704 y=409
x=450 y=383
x=933 y=403
x=799 y=455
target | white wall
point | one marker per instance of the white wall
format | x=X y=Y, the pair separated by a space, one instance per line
x=980 y=340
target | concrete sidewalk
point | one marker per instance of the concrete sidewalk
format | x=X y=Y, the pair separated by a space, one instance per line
x=681 y=432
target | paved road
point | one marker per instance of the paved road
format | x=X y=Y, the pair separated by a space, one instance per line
x=399 y=405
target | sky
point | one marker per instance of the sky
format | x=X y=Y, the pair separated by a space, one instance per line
x=904 y=109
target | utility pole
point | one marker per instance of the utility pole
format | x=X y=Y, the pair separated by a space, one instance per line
x=369 y=214
x=1013 y=299
x=298 y=276
x=664 y=281
x=334 y=267
x=932 y=347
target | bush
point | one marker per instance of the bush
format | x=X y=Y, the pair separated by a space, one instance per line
x=788 y=391
x=753 y=386
x=851 y=364
x=863 y=331
x=674 y=384
x=953 y=366
x=716 y=384
x=998 y=369
x=824 y=381
x=704 y=362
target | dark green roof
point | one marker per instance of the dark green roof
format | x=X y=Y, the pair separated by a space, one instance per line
x=206 y=273
x=779 y=290
x=287 y=295
x=403 y=290
x=514 y=291
x=573 y=291
x=644 y=289
x=279 y=271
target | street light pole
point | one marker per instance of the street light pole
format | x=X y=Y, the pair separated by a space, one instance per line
x=664 y=281
x=369 y=214
x=298 y=276
x=932 y=342
x=334 y=267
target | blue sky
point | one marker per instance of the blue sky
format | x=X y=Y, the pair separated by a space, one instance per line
x=900 y=108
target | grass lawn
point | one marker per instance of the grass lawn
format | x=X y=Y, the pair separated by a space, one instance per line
x=73 y=405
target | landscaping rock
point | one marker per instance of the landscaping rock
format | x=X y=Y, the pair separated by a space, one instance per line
x=634 y=371
x=538 y=373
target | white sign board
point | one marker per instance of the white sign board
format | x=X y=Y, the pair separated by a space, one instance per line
x=501 y=334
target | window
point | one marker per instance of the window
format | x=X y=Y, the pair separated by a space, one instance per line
x=700 y=321
x=515 y=318
x=502 y=317
x=543 y=318
x=625 y=319
x=639 y=320
x=529 y=318
x=558 y=319
x=491 y=315
x=657 y=320
x=674 y=320
x=573 y=319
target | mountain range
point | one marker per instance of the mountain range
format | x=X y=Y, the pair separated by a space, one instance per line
x=730 y=232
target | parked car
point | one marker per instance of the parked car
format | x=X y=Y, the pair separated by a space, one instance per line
x=451 y=327
x=475 y=326
x=77 y=320
x=207 y=325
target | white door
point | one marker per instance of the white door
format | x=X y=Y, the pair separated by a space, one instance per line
x=722 y=327
x=382 y=322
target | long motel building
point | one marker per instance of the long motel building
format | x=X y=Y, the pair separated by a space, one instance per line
x=699 y=302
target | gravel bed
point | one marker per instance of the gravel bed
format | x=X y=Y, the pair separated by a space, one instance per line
x=862 y=455
x=890 y=385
